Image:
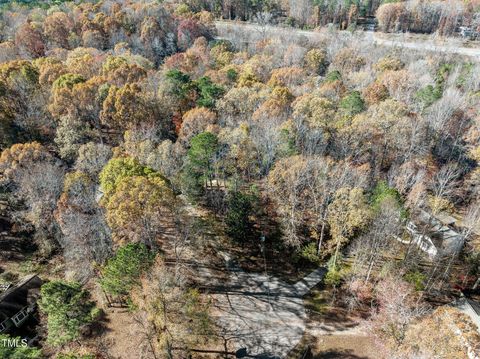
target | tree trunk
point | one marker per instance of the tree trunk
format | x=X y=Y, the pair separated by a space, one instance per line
x=336 y=255
x=477 y=282
x=320 y=238
x=370 y=266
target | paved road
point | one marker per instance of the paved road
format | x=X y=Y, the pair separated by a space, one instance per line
x=224 y=29
x=262 y=313
x=304 y=285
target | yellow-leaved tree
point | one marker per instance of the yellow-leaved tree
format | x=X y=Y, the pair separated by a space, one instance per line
x=139 y=209
x=347 y=214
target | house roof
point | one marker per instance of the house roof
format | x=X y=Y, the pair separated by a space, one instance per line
x=446 y=218
x=24 y=293
x=475 y=306
x=471 y=308
x=443 y=237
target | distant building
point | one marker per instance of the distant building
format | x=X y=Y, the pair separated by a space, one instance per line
x=435 y=235
x=367 y=23
x=468 y=33
x=18 y=302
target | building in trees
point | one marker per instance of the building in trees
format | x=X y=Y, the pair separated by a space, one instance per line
x=18 y=303
x=433 y=236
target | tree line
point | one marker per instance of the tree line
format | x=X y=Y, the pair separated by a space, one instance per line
x=442 y=17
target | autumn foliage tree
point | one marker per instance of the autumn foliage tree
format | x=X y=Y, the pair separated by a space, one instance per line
x=173 y=317
x=127 y=107
x=123 y=125
x=35 y=177
x=85 y=236
x=118 y=169
x=397 y=307
x=140 y=209
x=29 y=40
x=347 y=213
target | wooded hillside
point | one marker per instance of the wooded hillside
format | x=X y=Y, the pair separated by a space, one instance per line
x=137 y=148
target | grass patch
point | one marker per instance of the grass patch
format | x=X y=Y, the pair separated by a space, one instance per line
x=317 y=300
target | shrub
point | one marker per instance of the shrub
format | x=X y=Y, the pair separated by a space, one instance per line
x=428 y=95
x=417 y=279
x=232 y=75
x=309 y=252
x=333 y=76
x=17 y=351
x=73 y=355
x=336 y=272
x=382 y=192
x=465 y=73
x=442 y=74
x=333 y=278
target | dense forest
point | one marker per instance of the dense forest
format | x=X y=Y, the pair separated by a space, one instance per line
x=135 y=143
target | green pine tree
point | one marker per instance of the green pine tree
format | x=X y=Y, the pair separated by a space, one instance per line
x=68 y=308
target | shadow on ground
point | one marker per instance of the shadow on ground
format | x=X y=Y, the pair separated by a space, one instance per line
x=337 y=354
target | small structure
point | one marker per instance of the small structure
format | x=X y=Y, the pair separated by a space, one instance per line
x=468 y=33
x=18 y=302
x=367 y=23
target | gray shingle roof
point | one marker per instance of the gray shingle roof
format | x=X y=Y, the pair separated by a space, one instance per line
x=24 y=293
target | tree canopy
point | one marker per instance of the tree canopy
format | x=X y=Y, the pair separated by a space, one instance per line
x=68 y=308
